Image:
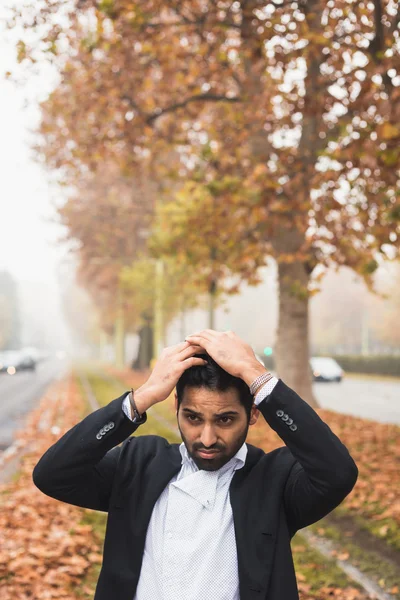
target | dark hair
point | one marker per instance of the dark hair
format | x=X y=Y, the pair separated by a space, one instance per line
x=213 y=377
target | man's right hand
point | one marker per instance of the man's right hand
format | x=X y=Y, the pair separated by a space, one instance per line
x=173 y=361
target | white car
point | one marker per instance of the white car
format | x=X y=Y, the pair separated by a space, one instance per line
x=12 y=361
x=325 y=369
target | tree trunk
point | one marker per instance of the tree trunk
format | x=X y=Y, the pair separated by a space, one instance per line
x=145 y=352
x=292 y=347
x=292 y=360
x=158 y=331
x=288 y=237
x=212 y=291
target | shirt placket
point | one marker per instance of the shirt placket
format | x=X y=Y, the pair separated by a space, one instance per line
x=175 y=535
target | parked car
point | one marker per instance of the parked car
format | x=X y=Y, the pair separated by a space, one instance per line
x=325 y=368
x=12 y=361
x=9 y=361
x=28 y=361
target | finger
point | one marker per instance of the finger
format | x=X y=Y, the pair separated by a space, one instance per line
x=178 y=347
x=193 y=361
x=199 y=341
x=192 y=349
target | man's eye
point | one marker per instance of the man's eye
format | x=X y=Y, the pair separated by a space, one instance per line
x=223 y=420
x=228 y=420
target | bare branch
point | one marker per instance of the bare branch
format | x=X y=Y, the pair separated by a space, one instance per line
x=196 y=98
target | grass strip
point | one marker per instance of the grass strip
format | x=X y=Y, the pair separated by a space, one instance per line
x=315 y=573
x=386 y=530
x=384 y=572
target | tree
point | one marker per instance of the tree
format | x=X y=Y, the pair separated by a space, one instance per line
x=300 y=101
x=216 y=210
x=105 y=215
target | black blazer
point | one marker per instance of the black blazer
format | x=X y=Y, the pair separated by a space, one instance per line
x=272 y=496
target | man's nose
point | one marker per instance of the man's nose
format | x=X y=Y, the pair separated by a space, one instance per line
x=208 y=437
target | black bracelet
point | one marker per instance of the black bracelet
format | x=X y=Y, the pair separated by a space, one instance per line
x=136 y=415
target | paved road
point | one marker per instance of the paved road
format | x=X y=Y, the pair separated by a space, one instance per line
x=19 y=394
x=368 y=398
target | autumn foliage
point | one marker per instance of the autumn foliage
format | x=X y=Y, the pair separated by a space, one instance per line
x=280 y=116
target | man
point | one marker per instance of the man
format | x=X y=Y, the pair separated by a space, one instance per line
x=211 y=518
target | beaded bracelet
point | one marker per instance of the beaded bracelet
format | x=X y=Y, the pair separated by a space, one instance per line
x=259 y=381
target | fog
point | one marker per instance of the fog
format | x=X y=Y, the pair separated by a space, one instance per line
x=29 y=251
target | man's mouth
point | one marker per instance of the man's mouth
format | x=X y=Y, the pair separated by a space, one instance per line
x=207 y=453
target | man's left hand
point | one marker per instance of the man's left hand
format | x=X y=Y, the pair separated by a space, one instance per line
x=230 y=352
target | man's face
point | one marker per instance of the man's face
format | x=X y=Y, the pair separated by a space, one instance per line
x=213 y=420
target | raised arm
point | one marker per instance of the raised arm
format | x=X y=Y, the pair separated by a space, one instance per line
x=324 y=472
x=80 y=467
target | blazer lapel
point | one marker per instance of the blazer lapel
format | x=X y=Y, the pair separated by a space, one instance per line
x=166 y=465
x=255 y=522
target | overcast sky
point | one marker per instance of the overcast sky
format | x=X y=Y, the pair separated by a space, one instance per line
x=27 y=237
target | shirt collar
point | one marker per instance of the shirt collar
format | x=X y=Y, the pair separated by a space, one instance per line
x=237 y=461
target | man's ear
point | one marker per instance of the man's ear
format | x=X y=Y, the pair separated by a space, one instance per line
x=254 y=414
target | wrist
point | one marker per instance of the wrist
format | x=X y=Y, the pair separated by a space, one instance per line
x=144 y=399
x=252 y=372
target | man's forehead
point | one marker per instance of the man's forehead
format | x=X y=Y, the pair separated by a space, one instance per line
x=204 y=399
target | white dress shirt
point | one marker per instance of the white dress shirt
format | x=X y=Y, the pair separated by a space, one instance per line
x=190 y=542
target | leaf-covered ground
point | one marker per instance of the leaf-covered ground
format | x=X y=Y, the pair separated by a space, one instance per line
x=45 y=550
x=375 y=447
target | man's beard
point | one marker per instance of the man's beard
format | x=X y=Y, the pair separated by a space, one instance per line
x=215 y=463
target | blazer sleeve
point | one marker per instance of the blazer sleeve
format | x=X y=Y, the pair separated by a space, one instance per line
x=80 y=467
x=323 y=473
